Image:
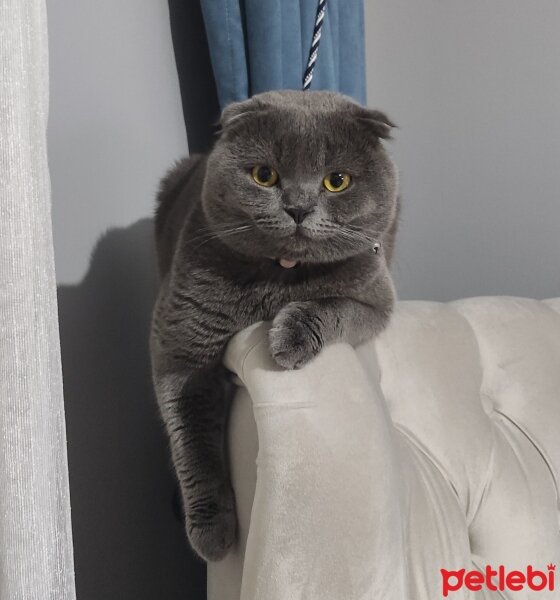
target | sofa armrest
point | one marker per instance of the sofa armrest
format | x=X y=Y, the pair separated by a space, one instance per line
x=319 y=513
x=361 y=494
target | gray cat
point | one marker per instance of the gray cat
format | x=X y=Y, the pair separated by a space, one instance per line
x=282 y=221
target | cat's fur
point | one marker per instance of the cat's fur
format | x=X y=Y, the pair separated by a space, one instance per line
x=219 y=237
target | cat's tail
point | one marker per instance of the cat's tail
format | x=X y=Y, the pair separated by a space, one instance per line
x=171 y=209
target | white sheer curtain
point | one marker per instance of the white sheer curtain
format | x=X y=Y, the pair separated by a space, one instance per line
x=35 y=535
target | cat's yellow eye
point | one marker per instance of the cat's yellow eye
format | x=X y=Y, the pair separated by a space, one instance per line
x=337 y=182
x=265 y=176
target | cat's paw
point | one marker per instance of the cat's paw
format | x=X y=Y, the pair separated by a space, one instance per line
x=295 y=337
x=212 y=526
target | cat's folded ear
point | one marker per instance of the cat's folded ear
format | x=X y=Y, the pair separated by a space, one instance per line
x=235 y=112
x=376 y=122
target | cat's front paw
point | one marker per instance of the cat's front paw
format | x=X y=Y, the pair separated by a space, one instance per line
x=212 y=526
x=296 y=336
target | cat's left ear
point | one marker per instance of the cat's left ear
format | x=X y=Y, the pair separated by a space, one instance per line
x=377 y=122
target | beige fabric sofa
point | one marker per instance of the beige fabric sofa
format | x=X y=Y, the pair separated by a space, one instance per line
x=364 y=474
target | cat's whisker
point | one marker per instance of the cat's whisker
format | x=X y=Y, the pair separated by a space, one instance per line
x=356 y=237
x=358 y=234
x=215 y=232
x=358 y=230
x=223 y=233
x=357 y=241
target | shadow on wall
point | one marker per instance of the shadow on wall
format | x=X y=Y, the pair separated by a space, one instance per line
x=128 y=544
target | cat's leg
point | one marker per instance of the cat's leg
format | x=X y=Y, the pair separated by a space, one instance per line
x=193 y=405
x=301 y=329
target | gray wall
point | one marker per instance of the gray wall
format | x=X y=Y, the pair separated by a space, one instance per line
x=475 y=88
x=115 y=125
x=115 y=119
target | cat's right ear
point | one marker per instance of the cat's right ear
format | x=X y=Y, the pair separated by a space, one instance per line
x=235 y=112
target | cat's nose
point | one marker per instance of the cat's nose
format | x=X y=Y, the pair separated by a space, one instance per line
x=298 y=213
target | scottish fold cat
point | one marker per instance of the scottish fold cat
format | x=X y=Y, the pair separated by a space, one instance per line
x=290 y=218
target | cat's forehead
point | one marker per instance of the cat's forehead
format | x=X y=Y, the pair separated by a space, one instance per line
x=316 y=101
x=301 y=142
x=310 y=113
x=292 y=110
x=305 y=129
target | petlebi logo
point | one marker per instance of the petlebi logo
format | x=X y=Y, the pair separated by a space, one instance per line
x=499 y=579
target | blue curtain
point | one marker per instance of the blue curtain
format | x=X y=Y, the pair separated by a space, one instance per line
x=260 y=45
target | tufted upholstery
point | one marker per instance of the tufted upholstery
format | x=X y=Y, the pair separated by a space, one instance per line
x=435 y=446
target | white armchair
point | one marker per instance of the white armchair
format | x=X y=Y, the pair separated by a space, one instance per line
x=365 y=473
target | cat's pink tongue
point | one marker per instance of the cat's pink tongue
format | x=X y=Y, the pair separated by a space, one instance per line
x=287 y=263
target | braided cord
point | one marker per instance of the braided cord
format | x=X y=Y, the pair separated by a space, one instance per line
x=313 y=51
